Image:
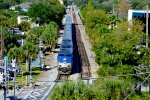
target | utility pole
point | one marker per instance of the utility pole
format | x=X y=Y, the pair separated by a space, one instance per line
x=113 y=14
x=27 y=67
x=147 y=13
x=1 y=42
x=113 y=8
x=30 y=72
x=7 y=72
x=15 y=81
x=6 y=77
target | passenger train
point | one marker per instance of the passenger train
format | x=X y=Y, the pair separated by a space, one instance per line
x=65 y=54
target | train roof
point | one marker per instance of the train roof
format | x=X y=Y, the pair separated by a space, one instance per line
x=67 y=35
x=68 y=31
x=66 y=43
x=68 y=20
x=64 y=51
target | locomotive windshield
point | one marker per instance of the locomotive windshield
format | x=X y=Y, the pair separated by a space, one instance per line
x=66 y=46
x=67 y=55
x=66 y=40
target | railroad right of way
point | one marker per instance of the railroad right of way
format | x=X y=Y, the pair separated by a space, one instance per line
x=86 y=45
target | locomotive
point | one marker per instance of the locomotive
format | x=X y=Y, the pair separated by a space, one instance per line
x=65 y=54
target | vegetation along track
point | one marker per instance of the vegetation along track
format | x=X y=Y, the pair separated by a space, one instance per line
x=85 y=73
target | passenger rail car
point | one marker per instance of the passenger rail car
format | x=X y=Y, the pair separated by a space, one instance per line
x=65 y=54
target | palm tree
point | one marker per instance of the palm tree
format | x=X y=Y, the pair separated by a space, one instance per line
x=13 y=52
x=50 y=34
x=9 y=39
x=31 y=49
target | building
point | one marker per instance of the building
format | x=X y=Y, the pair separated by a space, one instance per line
x=22 y=18
x=24 y=6
x=17 y=31
x=61 y=2
x=139 y=15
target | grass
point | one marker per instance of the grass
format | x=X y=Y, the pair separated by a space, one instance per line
x=21 y=77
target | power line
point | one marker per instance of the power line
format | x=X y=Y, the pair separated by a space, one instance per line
x=93 y=78
x=137 y=86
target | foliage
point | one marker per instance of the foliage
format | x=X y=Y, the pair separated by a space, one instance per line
x=34 y=34
x=138 y=4
x=96 y=24
x=13 y=52
x=30 y=50
x=9 y=39
x=104 y=89
x=24 y=26
x=5 y=4
x=81 y=3
x=72 y=91
x=88 y=7
x=12 y=22
x=49 y=36
x=122 y=8
x=67 y=2
x=46 y=11
x=18 y=8
x=111 y=89
x=8 y=18
x=118 y=50
x=142 y=96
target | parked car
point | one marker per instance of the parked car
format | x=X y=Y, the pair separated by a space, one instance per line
x=18 y=69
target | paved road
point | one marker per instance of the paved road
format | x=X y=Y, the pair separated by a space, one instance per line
x=40 y=92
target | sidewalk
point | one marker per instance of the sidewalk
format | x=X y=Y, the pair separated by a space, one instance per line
x=23 y=92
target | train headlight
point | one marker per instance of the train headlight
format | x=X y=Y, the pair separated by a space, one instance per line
x=69 y=67
x=59 y=66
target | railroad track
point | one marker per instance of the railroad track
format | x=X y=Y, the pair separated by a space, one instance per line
x=82 y=52
x=62 y=77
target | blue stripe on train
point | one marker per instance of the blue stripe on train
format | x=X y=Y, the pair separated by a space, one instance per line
x=66 y=59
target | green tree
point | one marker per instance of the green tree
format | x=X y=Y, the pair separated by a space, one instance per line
x=34 y=34
x=122 y=8
x=138 y=4
x=9 y=39
x=12 y=22
x=50 y=34
x=30 y=49
x=46 y=11
x=7 y=16
x=96 y=24
x=24 y=26
x=16 y=52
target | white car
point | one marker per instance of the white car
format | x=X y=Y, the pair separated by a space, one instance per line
x=50 y=66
